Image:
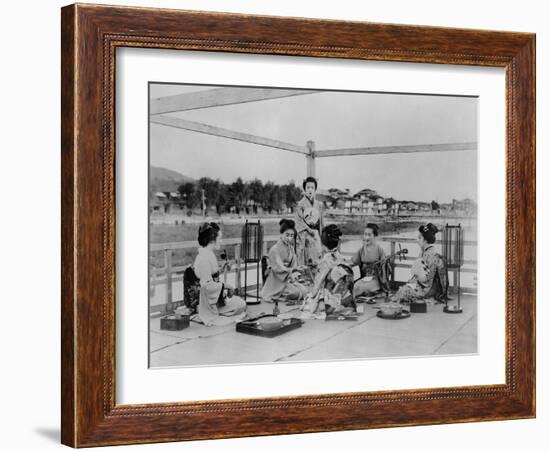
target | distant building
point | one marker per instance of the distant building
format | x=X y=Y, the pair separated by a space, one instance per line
x=338 y=193
x=393 y=208
x=465 y=206
x=424 y=206
x=163 y=202
x=411 y=206
x=366 y=193
x=353 y=205
x=328 y=198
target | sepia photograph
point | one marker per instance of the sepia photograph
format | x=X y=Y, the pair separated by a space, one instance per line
x=300 y=225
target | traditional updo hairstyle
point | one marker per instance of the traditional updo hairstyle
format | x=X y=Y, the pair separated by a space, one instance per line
x=208 y=233
x=373 y=227
x=428 y=231
x=309 y=179
x=331 y=236
x=286 y=224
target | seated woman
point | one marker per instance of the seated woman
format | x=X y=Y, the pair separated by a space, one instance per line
x=334 y=280
x=429 y=273
x=217 y=304
x=283 y=267
x=370 y=253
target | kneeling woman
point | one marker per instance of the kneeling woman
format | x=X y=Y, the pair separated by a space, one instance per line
x=217 y=304
x=283 y=267
x=334 y=280
x=369 y=259
x=429 y=273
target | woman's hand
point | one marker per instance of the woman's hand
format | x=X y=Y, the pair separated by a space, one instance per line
x=229 y=290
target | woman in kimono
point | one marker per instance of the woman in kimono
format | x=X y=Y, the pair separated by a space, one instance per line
x=308 y=225
x=283 y=267
x=429 y=273
x=333 y=283
x=217 y=304
x=369 y=253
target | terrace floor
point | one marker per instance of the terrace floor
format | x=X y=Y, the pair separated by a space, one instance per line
x=433 y=333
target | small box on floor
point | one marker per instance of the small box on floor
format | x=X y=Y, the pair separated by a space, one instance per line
x=174 y=322
x=418 y=308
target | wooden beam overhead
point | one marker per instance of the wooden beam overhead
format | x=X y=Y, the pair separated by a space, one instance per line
x=443 y=147
x=207 y=129
x=219 y=96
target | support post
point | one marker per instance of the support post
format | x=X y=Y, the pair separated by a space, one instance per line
x=168 y=269
x=392 y=252
x=310 y=158
x=238 y=268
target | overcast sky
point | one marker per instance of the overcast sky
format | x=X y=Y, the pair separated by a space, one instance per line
x=332 y=119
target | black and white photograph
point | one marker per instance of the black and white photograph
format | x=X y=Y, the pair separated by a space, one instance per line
x=301 y=225
x=275 y=226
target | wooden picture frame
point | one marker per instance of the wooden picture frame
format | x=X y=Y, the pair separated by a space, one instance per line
x=90 y=35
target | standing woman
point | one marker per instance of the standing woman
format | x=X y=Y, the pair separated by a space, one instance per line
x=309 y=225
x=429 y=273
x=217 y=304
x=365 y=258
x=283 y=267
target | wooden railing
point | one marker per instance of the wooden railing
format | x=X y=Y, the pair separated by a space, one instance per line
x=166 y=274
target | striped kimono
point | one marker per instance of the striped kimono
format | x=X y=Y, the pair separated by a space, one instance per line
x=308 y=228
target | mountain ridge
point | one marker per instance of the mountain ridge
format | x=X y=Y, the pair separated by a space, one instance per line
x=166 y=180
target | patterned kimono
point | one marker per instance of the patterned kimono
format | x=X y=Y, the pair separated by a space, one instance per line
x=334 y=275
x=334 y=279
x=308 y=217
x=282 y=262
x=207 y=270
x=364 y=258
x=426 y=283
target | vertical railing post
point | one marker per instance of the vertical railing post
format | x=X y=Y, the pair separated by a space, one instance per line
x=238 y=268
x=168 y=271
x=392 y=251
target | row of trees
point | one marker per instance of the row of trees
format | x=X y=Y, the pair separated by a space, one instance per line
x=239 y=195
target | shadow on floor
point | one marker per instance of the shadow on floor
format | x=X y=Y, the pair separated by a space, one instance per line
x=53 y=434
